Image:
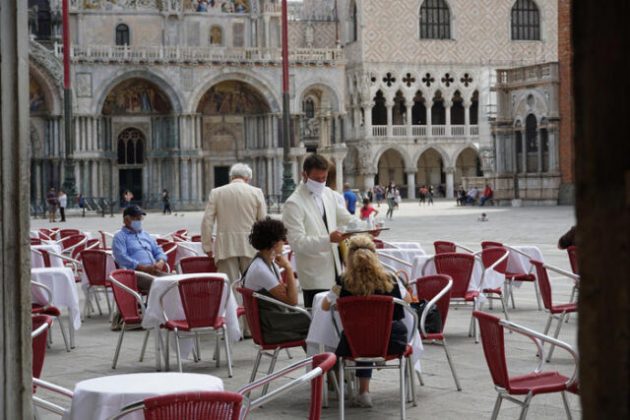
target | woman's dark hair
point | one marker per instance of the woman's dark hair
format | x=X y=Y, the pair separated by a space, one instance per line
x=315 y=161
x=265 y=233
x=366 y=201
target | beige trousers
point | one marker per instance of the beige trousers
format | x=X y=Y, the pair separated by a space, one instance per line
x=233 y=267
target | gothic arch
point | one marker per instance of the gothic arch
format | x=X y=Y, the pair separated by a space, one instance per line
x=446 y=159
x=52 y=94
x=459 y=150
x=540 y=106
x=381 y=151
x=164 y=85
x=263 y=86
x=328 y=90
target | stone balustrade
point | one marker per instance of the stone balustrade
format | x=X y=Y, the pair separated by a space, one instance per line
x=442 y=131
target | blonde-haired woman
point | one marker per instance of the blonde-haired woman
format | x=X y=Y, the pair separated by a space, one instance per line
x=365 y=276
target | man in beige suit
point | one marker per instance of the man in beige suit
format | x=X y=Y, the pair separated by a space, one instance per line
x=311 y=215
x=233 y=208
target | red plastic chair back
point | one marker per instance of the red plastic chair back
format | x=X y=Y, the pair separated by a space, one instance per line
x=378 y=243
x=201 y=300
x=36 y=241
x=491 y=255
x=460 y=267
x=201 y=264
x=45 y=257
x=126 y=303
x=543 y=283
x=170 y=249
x=95 y=266
x=492 y=339
x=195 y=238
x=46 y=234
x=442 y=247
x=367 y=324
x=64 y=233
x=491 y=244
x=325 y=361
x=221 y=405
x=428 y=287
x=162 y=241
x=39 y=343
x=573 y=259
x=250 y=303
x=70 y=241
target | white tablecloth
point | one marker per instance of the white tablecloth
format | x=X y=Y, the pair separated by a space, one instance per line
x=518 y=263
x=407 y=255
x=173 y=308
x=37 y=261
x=322 y=335
x=101 y=398
x=60 y=281
x=188 y=249
x=407 y=245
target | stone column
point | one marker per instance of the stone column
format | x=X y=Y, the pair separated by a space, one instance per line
x=15 y=289
x=540 y=152
x=368 y=180
x=339 y=174
x=554 y=165
x=266 y=20
x=367 y=118
x=467 y=118
x=450 y=175
x=389 y=106
x=429 y=118
x=447 y=128
x=411 y=182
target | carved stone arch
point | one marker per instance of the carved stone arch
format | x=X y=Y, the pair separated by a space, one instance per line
x=524 y=107
x=123 y=75
x=319 y=84
x=446 y=159
x=256 y=81
x=463 y=147
x=384 y=148
x=50 y=89
x=140 y=127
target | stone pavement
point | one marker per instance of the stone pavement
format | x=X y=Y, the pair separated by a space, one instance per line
x=438 y=398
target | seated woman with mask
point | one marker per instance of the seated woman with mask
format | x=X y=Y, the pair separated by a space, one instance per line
x=365 y=276
x=263 y=276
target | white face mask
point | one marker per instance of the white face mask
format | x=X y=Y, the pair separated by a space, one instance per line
x=315 y=187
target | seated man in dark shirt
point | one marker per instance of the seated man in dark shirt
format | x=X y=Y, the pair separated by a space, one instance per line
x=568 y=239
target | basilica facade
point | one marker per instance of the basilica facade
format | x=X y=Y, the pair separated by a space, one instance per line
x=167 y=94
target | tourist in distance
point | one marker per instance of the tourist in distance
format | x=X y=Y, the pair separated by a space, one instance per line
x=390 y=195
x=367 y=210
x=350 y=199
x=487 y=195
x=63 y=203
x=166 y=202
x=568 y=239
x=52 y=202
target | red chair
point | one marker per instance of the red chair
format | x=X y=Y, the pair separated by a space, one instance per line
x=512 y=277
x=573 y=258
x=195 y=238
x=104 y=236
x=69 y=243
x=459 y=267
x=192 y=265
x=94 y=264
x=531 y=384
x=162 y=241
x=495 y=259
x=225 y=405
x=89 y=244
x=436 y=290
x=64 y=233
x=556 y=311
x=442 y=247
x=170 y=249
x=41 y=304
x=39 y=335
x=48 y=234
x=250 y=304
x=203 y=313
x=367 y=325
x=36 y=241
x=130 y=306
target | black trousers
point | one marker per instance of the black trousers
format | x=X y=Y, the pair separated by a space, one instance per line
x=309 y=295
x=62 y=212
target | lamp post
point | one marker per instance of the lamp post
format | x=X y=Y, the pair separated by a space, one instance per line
x=69 y=181
x=288 y=184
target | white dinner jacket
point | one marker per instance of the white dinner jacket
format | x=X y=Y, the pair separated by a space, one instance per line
x=315 y=255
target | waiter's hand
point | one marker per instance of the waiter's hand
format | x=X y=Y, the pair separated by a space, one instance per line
x=336 y=236
x=210 y=254
x=159 y=265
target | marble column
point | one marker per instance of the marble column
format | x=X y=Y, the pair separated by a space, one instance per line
x=539 y=154
x=411 y=182
x=339 y=174
x=367 y=118
x=450 y=175
x=467 y=118
x=389 y=106
x=553 y=150
x=447 y=128
x=368 y=180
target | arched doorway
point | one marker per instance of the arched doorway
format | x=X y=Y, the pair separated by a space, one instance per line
x=391 y=168
x=131 y=151
x=236 y=118
x=430 y=169
x=468 y=164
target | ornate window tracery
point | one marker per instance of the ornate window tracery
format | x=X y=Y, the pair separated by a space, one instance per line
x=435 y=20
x=131 y=147
x=525 y=21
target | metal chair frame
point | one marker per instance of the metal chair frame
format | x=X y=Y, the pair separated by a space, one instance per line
x=47 y=405
x=46 y=290
x=488 y=292
x=196 y=331
x=424 y=333
x=538 y=339
x=404 y=365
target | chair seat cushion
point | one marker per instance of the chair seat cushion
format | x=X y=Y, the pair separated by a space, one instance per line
x=538 y=383
x=182 y=324
x=133 y=320
x=496 y=291
x=45 y=310
x=433 y=336
x=287 y=345
x=520 y=276
x=565 y=307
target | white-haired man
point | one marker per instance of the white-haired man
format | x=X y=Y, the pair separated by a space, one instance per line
x=233 y=209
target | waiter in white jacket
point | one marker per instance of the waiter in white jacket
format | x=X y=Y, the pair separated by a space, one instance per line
x=311 y=215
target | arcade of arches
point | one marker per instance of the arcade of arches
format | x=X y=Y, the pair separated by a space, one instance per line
x=141 y=142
